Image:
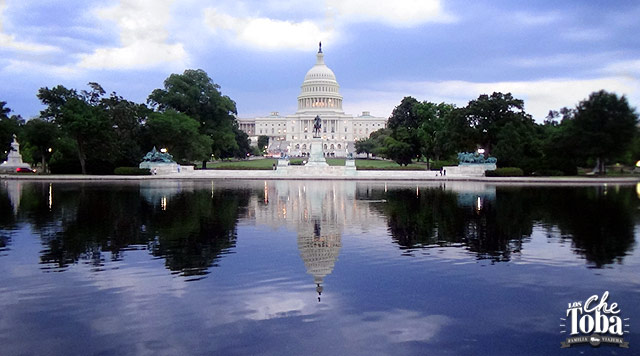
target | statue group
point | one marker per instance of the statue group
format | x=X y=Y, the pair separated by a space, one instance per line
x=156 y=156
x=474 y=158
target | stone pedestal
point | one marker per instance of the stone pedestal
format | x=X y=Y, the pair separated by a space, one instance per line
x=316 y=156
x=14 y=159
x=160 y=167
x=350 y=167
x=283 y=166
x=476 y=170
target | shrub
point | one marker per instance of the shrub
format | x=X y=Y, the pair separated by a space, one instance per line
x=505 y=172
x=131 y=171
x=549 y=173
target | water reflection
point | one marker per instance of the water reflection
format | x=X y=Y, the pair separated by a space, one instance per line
x=190 y=225
x=494 y=222
x=318 y=212
x=13 y=189
x=125 y=251
x=94 y=222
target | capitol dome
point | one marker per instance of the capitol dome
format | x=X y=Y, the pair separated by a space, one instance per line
x=320 y=89
x=320 y=72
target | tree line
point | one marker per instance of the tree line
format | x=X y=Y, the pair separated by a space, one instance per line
x=88 y=131
x=601 y=129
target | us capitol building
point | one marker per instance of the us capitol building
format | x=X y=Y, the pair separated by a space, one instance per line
x=320 y=96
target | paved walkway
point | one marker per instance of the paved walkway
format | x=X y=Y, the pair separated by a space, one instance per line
x=331 y=173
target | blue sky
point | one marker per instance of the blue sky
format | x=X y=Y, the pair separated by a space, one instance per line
x=549 y=53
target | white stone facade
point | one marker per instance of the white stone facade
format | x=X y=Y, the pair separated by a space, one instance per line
x=319 y=96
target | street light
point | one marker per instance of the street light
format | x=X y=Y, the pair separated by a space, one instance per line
x=481 y=151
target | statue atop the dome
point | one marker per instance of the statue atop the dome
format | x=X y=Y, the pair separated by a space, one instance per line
x=317 y=123
x=320 y=47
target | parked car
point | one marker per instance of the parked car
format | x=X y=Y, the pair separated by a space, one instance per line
x=25 y=170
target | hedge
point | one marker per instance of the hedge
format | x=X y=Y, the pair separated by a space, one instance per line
x=548 y=173
x=505 y=172
x=131 y=171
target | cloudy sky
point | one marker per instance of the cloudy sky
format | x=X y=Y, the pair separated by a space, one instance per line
x=549 y=53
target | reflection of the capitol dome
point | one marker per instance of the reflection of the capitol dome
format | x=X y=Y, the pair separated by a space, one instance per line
x=318 y=212
x=319 y=251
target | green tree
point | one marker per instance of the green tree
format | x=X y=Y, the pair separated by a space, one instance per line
x=55 y=99
x=365 y=146
x=127 y=119
x=42 y=136
x=375 y=144
x=560 y=146
x=519 y=144
x=225 y=145
x=378 y=138
x=633 y=155
x=606 y=125
x=400 y=146
x=403 y=144
x=193 y=93
x=4 y=110
x=81 y=117
x=89 y=127
x=179 y=134
x=405 y=115
x=433 y=130
x=9 y=126
x=243 y=142
x=488 y=114
x=263 y=142
x=460 y=136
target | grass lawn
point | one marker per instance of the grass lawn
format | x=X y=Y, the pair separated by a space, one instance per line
x=267 y=164
x=254 y=164
x=376 y=164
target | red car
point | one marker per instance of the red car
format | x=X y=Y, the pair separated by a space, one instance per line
x=24 y=170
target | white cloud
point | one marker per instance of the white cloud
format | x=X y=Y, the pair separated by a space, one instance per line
x=269 y=33
x=143 y=37
x=539 y=96
x=398 y=13
x=25 y=67
x=394 y=326
x=629 y=68
x=9 y=41
x=266 y=33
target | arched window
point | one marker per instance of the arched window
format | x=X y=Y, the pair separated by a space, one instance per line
x=339 y=146
x=332 y=147
x=325 y=146
x=297 y=146
x=304 y=146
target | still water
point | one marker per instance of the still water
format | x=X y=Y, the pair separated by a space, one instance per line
x=310 y=268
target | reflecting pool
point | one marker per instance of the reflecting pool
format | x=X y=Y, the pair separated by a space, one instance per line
x=310 y=267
